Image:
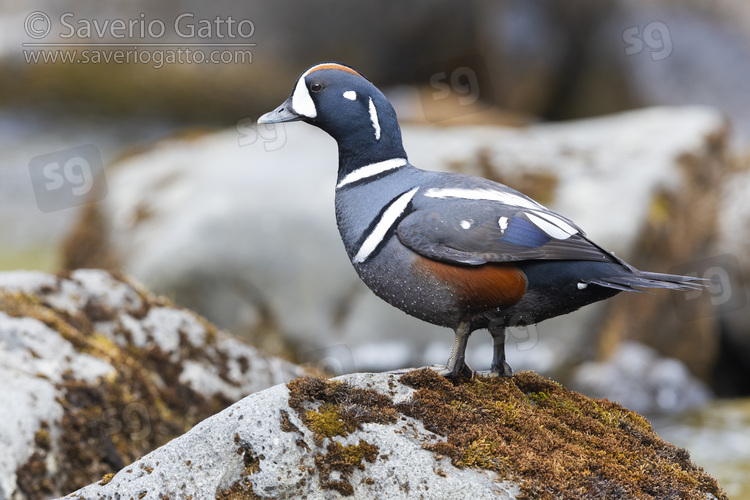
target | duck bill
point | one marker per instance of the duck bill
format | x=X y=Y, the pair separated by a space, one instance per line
x=283 y=113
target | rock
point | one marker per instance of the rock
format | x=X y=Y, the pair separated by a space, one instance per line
x=97 y=371
x=718 y=437
x=729 y=269
x=635 y=376
x=414 y=435
x=239 y=226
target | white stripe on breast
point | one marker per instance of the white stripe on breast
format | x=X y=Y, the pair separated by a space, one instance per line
x=391 y=214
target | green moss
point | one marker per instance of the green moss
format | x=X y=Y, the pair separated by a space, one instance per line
x=326 y=421
x=332 y=408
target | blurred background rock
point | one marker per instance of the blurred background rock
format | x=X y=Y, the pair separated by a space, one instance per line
x=200 y=204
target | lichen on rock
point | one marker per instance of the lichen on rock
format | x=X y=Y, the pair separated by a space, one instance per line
x=98 y=371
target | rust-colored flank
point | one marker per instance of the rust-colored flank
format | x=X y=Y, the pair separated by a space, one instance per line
x=487 y=286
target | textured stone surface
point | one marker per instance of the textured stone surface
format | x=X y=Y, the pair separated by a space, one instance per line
x=214 y=456
x=368 y=436
x=240 y=227
x=97 y=371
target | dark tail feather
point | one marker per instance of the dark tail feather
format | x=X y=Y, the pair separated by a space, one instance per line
x=642 y=279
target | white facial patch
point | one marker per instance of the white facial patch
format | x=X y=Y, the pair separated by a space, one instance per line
x=351 y=95
x=391 y=214
x=302 y=103
x=552 y=225
x=582 y=286
x=465 y=224
x=483 y=194
x=371 y=170
x=374 y=119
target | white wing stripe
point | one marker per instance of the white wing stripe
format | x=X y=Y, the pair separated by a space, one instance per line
x=391 y=214
x=483 y=194
x=559 y=222
x=548 y=227
x=371 y=170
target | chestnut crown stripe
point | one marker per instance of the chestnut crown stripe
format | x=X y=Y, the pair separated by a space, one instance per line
x=331 y=66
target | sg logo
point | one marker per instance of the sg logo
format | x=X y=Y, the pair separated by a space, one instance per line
x=68 y=178
x=724 y=288
x=655 y=36
x=463 y=83
x=273 y=135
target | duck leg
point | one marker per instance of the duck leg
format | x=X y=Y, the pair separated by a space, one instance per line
x=456 y=365
x=500 y=367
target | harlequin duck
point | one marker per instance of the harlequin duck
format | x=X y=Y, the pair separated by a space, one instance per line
x=454 y=250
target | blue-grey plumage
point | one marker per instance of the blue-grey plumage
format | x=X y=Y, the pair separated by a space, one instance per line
x=454 y=250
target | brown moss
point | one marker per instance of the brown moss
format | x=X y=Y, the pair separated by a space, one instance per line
x=42 y=437
x=331 y=408
x=86 y=245
x=240 y=490
x=554 y=442
x=343 y=459
x=32 y=478
x=129 y=413
x=286 y=423
x=106 y=478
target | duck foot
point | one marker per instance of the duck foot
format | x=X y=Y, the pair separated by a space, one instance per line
x=497 y=372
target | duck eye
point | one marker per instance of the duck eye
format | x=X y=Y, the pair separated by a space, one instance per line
x=316 y=87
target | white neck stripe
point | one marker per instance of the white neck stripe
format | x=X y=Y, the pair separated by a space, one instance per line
x=391 y=214
x=374 y=119
x=371 y=170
